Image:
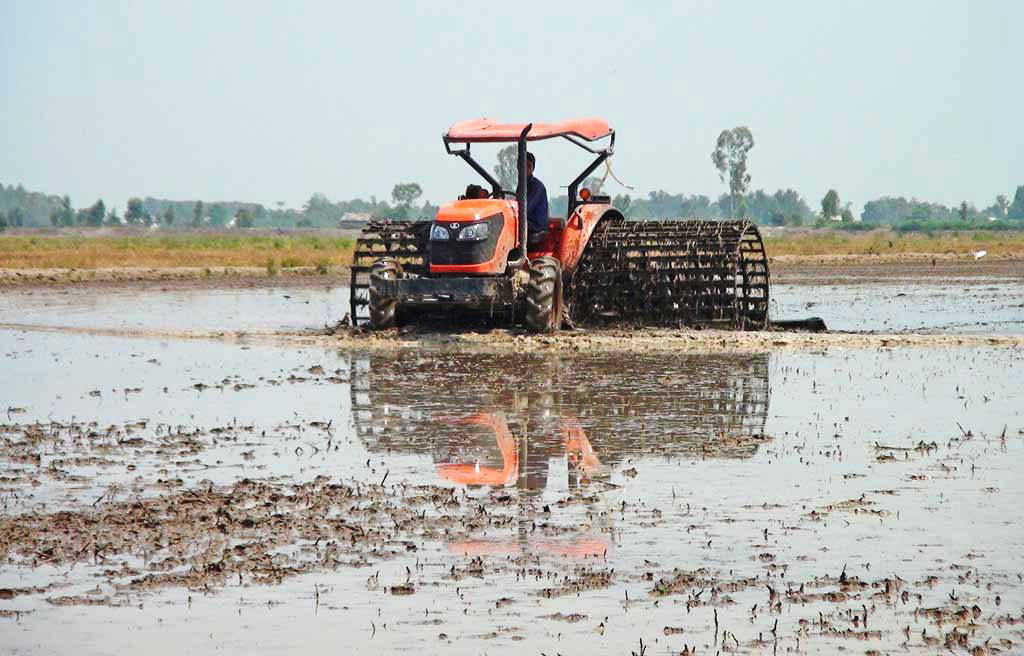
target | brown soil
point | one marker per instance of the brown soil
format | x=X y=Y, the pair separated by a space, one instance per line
x=176 y=278
x=855 y=269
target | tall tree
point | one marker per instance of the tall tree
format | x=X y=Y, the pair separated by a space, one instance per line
x=1001 y=204
x=169 y=215
x=16 y=217
x=134 y=213
x=243 y=219
x=218 y=215
x=885 y=210
x=197 y=214
x=95 y=214
x=696 y=207
x=505 y=170
x=830 y=204
x=963 y=211
x=63 y=215
x=730 y=158
x=622 y=203
x=1016 y=209
x=317 y=204
x=999 y=207
x=406 y=193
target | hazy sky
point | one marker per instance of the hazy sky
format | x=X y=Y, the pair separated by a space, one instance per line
x=272 y=101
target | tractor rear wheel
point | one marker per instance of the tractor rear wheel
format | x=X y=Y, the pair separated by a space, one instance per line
x=384 y=309
x=544 y=295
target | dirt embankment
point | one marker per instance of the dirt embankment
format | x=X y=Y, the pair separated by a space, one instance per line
x=822 y=269
x=206 y=277
x=855 y=269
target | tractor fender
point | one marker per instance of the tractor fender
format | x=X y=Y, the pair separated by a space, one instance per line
x=578 y=229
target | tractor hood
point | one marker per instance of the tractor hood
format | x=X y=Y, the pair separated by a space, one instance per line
x=473 y=237
x=466 y=211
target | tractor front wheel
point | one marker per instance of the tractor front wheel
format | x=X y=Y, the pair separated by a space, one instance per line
x=544 y=295
x=384 y=309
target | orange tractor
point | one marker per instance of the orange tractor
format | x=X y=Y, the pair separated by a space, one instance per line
x=593 y=266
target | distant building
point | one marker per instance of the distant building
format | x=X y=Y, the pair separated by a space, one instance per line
x=354 y=220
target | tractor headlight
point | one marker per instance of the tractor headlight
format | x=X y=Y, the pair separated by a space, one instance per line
x=439 y=233
x=474 y=232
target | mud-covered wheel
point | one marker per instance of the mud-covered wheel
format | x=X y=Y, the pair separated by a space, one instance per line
x=384 y=309
x=544 y=295
x=568 y=323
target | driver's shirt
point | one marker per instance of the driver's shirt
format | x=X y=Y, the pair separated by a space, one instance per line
x=536 y=204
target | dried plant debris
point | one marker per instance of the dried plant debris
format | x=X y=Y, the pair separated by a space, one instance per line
x=251 y=531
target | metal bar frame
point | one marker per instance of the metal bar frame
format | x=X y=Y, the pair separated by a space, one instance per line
x=602 y=153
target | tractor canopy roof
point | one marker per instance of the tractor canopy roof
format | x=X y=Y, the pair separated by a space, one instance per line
x=486 y=130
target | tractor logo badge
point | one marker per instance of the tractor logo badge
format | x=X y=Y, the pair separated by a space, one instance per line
x=454 y=226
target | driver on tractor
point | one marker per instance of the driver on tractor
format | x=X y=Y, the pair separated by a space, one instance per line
x=536 y=205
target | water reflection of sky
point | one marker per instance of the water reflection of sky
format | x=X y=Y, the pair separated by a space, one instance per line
x=966 y=306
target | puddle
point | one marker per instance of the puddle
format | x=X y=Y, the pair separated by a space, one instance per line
x=161 y=495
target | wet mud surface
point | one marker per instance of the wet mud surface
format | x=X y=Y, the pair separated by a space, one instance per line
x=162 y=495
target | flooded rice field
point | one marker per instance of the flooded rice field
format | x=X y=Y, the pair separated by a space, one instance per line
x=167 y=495
x=975 y=305
x=950 y=306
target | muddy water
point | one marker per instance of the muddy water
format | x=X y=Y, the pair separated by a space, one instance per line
x=175 y=307
x=977 y=306
x=970 y=305
x=496 y=503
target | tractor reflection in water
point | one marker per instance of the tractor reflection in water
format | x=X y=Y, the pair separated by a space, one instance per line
x=469 y=417
x=492 y=456
x=691 y=406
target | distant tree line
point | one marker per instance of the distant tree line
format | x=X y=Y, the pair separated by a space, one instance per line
x=22 y=208
x=782 y=207
x=19 y=207
x=892 y=210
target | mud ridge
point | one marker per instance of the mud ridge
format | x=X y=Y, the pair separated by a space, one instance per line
x=585 y=340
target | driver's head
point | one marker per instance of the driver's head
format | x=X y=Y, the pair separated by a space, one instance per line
x=531 y=161
x=475 y=191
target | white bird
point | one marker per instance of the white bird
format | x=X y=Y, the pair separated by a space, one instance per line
x=980 y=254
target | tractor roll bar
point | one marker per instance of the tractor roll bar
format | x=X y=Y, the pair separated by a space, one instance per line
x=464 y=154
x=579 y=142
x=575 y=185
x=520 y=253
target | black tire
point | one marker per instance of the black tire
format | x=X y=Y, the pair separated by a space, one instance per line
x=384 y=309
x=544 y=296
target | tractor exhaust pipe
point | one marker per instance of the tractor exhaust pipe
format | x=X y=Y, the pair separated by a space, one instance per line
x=520 y=254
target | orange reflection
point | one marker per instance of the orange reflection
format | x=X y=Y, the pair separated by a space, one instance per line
x=582 y=461
x=582 y=548
x=477 y=474
x=577 y=447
